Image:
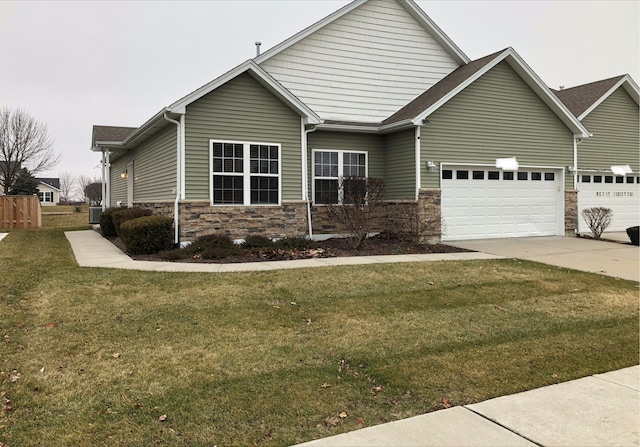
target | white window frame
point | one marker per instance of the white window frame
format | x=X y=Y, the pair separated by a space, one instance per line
x=246 y=174
x=341 y=153
x=45 y=196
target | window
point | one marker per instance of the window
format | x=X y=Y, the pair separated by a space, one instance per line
x=536 y=176
x=494 y=175
x=586 y=179
x=629 y=179
x=462 y=175
x=45 y=196
x=329 y=167
x=608 y=179
x=523 y=176
x=447 y=174
x=478 y=175
x=245 y=173
x=619 y=179
x=549 y=176
x=507 y=175
x=597 y=179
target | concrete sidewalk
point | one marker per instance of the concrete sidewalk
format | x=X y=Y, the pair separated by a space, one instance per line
x=92 y=250
x=617 y=259
x=599 y=410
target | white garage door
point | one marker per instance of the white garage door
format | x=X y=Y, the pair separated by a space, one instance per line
x=621 y=194
x=484 y=203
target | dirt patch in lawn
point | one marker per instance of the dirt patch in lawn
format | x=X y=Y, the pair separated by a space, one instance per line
x=381 y=244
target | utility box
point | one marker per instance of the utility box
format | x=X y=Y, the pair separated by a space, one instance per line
x=94 y=215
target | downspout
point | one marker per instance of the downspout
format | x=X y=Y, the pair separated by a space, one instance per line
x=107 y=170
x=104 y=184
x=305 y=173
x=418 y=179
x=575 y=161
x=176 y=205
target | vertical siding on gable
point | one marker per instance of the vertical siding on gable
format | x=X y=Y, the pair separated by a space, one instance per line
x=400 y=172
x=154 y=169
x=365 y=65
x=615 y=125
x=496 y=116
x=241 y=110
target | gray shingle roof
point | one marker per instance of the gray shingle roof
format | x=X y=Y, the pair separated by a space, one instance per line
x=440 y=89
x=111 y=133
x=55 y=182
x=578 y=99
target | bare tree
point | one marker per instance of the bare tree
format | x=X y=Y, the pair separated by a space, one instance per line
x=93 y=192
x=82 y=183
x=67 y=184
x=24 y=143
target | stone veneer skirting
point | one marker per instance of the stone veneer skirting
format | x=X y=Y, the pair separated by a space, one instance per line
x=570 y=212
x=199 y=218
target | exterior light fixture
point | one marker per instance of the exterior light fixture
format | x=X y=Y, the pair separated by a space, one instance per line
x=571 y=169
x=124 y=175
x=431 y=166
x=507 y=164
x=621 y=170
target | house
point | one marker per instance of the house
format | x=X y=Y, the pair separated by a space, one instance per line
x=483 y=144
x=608 y=163
x=48 y=191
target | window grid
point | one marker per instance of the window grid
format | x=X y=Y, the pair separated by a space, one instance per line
x=329 y=166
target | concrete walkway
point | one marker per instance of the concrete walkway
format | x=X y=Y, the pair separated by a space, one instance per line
x=92 y=250
x=599 y=410
x=617 y=259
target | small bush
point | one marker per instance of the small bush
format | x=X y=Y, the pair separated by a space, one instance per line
x=597 y=219
x=251 y=242
x=221 y=252
x=300 y=243
x=147 y=235
x=107 y=228
x=633 y=233
x=126 y=214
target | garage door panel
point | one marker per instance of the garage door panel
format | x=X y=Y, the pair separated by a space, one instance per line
x=623 y=199
x=476 y=209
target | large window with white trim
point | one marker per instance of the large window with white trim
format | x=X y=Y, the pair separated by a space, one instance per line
x=45 y=196
x=329 y=167
x=245 y=173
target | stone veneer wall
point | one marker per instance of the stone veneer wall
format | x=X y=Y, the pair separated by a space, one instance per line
x=570 y=212
x=199 y=218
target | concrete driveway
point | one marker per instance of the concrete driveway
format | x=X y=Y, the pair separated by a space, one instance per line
x=620 y=260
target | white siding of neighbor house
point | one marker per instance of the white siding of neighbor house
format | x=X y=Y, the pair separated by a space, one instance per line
x=363 y=66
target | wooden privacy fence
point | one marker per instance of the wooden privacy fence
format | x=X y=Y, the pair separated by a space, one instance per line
x=20 y=212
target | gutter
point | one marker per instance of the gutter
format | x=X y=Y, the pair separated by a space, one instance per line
x=176 y=204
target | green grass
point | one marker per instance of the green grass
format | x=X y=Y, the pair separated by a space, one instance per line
x=240 y=359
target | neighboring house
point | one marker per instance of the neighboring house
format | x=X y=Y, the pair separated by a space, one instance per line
x=608 y=163
x=48 y=191
x=262 y=148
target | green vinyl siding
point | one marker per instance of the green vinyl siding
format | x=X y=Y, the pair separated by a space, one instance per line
x=616 y=135
x=400 y=172
x=119 y=184
x=154 y=169
x=497 y=116
x=241 y=110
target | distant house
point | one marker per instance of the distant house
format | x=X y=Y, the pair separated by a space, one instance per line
x=375 y=89
x=607 y=165
x=48 y=191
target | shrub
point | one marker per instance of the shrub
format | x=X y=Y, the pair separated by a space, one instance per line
x=251 y=242
x=107 y=227
x=633 y=233
x=221 y=252
x=597 y=219
x=126 y=214
x=300 y=243
x=147 y=235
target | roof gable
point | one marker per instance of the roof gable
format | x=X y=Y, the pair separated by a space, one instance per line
x=418 y=110
x=583 y=99
x=365 y=61
x=50 y=182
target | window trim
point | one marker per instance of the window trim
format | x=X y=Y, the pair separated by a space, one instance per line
x=341 y=153
x=44 y=195
x=246 y=172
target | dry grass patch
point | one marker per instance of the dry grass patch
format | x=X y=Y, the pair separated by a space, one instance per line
x=273 y=358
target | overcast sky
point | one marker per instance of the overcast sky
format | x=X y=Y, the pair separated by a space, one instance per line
x=75 y=64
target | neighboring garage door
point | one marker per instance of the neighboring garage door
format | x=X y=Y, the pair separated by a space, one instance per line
x=621 y=194
x=485 y=203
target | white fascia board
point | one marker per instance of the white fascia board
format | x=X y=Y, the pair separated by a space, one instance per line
x=349 y=128
x=307 y=31
x=49 y=186
x=180 y=106
x=435 y=31
x=627 y=83
x=398 y=125
x=529 y=76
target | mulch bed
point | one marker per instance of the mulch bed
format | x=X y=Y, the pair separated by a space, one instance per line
x=381 y=244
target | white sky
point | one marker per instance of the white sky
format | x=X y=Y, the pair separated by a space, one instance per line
x=75 y=64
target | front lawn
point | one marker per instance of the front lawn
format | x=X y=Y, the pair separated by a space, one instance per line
x=109 y=357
